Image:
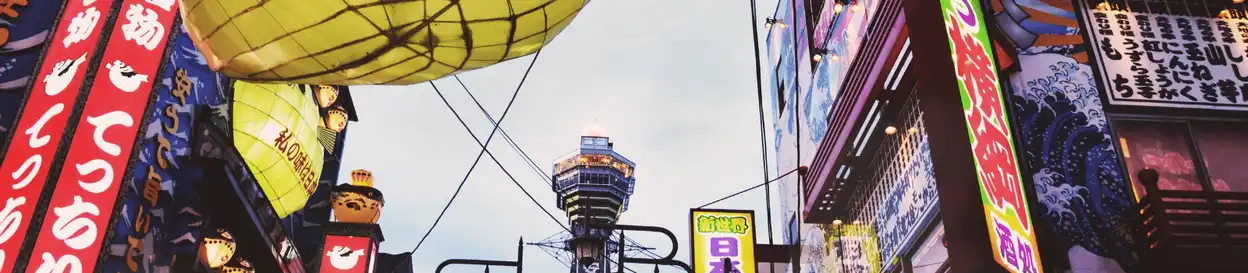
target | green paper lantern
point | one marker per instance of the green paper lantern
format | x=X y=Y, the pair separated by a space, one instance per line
x=275 y=130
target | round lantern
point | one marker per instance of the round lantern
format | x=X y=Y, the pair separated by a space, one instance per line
x=238 y=265
x=358 y=202
x=336 y=119
x=217 y=248
x=368 y=41
x=326 y=95
x=275 y=130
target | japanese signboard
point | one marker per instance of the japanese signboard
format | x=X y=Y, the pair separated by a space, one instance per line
x=719 y=234
x=83 y=200
x=854 y=248
x=1001 y=191
x=1175 y=61
x=24 y=34
x=44 y=119
x=346 y=254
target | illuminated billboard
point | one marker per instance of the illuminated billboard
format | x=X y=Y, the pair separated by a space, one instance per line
x=719 y=234
x=275 y=130
x=1001 y=189
x=853 y=249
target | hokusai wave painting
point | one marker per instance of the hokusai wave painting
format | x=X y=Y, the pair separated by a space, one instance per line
x=27 y=28
x=1066 y=144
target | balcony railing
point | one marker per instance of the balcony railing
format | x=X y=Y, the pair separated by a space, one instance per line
x=1191 y=231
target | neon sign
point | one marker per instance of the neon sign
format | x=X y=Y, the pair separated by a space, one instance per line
x=1001 y=190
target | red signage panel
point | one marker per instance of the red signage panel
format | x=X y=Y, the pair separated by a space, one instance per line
x=44 y=118
x=86 y=191
x=346 y=254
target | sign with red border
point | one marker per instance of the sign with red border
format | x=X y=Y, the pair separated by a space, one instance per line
x=346 y=254
x=1004 y=198
x=44 y=118
x=86 y=191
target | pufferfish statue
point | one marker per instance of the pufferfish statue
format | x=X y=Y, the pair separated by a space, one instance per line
x=358 y=202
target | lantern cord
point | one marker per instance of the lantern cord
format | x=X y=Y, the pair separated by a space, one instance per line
x=751 y=188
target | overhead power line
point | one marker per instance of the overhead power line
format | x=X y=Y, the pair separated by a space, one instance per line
x=751 y=188
x=476 y=161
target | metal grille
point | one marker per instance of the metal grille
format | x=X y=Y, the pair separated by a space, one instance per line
x=903 y=194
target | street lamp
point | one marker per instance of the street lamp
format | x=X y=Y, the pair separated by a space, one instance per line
x=588 y=249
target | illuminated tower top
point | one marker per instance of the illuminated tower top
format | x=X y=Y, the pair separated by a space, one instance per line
x=594 y=180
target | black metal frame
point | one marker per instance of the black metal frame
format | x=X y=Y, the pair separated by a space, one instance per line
x=667 y=260
x=518 y=263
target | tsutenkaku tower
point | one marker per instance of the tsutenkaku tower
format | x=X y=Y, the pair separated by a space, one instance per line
x=592 y=185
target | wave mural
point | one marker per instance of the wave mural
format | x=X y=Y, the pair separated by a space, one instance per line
x=25 y=32
x=1068 y=150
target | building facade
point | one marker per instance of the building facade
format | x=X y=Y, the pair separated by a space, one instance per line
x=1093 y=92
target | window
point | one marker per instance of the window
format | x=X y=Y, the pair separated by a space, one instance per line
x=931 y=255
x=1188 y=155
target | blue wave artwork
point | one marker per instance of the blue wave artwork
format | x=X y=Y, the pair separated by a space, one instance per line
x=1068 y=152
x=28 y=34
x=175 y=218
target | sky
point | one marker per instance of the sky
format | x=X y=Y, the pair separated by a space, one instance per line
x=671 y=81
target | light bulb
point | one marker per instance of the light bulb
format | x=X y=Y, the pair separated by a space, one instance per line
x=890 y=130
x=817 y=57
x=836 y=58
x=856 y=8
x=838 y=7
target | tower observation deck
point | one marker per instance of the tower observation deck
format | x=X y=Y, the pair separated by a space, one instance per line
x=593 y=184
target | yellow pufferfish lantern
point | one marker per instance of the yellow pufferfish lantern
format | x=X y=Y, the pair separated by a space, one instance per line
x=360 y=42
x=238 y=265
x=358 y=202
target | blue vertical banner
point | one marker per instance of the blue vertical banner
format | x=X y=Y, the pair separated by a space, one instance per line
x=25 y=28
x=161 y=212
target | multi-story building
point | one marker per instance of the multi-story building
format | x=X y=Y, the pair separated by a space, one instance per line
x=1091 y=94
x=593 y=186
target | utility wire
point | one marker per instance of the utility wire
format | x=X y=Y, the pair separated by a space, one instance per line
x=762 y=127
x=533 y=165
x=479 y=154
x=495 y=159
x=751 y=188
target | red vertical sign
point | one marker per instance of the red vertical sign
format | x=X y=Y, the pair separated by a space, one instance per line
x=87 y=188
x=345 y=254
x=38 y=134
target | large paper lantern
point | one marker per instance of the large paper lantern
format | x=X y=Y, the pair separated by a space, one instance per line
x=275 y=129
x=217 y=248
x=368 y=41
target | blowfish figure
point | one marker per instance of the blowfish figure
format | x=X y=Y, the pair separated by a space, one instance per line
x=358 y=202
x=62 y=73
x=124 y=77
x=343 y=257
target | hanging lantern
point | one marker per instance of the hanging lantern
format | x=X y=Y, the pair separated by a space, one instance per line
x=275 y=130
x=326 y=95
x=358 y=202
x=238 y=265
x=368 y=41
x=336 y=119
x=588 y=249
x=217 y=248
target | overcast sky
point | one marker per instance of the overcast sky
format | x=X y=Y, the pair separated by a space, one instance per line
x=673 y=83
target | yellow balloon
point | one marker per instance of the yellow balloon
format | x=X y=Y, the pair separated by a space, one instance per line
x=356 y=42
x=275 y=130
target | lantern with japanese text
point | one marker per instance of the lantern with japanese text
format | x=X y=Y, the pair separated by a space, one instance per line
x=369 y=41
x=275 y=130
x=358 y=202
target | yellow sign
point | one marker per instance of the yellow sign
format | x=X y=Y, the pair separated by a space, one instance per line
x=275 y=131
x=719 y=234
x=853 y=248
